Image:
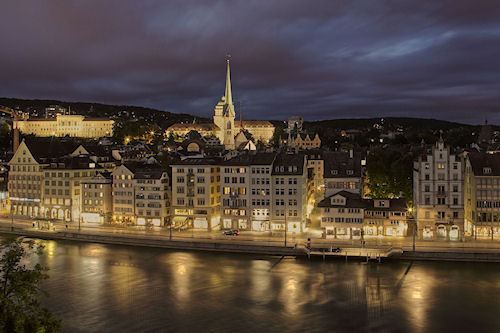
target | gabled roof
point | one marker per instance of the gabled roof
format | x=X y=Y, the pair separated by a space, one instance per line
x=352 y=201
x=341 y=162
x=145 y=171
x=288 y=164
x=482 y=161
x=44 y=150
x=259 y=158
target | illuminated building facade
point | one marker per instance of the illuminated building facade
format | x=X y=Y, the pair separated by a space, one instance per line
x=438 y=193
x=482 y=194
x=346 y=215
x=289 y=203
x=62 y=125
x=141 y=195
x=343 y=171
x=61 y=187
x=97 y=200
x=196 y=194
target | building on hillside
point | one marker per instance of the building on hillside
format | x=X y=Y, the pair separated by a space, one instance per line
x=289 y=203
x=196 y=194
x=343 y=171
x=438 y=194
x=295 y=123
x=66 y=125
x=347 y=215
x=53 y=110
x=482 y=194
x=224 y=125
x=304 y=142
x=141 y=195
x=182 y=129
x=97 y=200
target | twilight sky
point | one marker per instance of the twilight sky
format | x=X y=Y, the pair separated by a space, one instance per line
x=317 y=59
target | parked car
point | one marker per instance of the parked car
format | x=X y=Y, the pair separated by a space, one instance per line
x=231 y=232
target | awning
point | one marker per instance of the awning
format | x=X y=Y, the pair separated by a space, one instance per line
x=179 y=220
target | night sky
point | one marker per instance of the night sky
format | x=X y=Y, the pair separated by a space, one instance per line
x=317 y=59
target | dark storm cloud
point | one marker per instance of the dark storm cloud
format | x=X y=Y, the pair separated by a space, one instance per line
x=317 y=59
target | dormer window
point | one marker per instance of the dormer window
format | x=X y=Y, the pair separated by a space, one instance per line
x=486 y=171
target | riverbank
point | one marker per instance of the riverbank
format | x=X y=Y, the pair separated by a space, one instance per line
x=466 y=254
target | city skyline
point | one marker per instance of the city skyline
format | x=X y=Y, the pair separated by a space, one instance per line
x=332 y=61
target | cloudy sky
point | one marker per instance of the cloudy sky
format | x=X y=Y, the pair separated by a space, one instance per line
x=317 y=59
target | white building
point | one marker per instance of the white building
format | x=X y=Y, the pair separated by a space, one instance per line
x=62 y=125
x=438 y=193
x=289 y=193
x=141 y=195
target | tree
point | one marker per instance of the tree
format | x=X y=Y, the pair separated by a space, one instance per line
x=193 y=135
x=20 y=308
x=389 y=173
x=276 y=139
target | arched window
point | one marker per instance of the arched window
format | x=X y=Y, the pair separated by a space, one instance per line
x=228 y=125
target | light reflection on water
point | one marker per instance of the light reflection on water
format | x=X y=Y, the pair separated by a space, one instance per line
x=101 y=288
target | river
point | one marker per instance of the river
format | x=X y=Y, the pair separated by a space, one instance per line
x=107 y=288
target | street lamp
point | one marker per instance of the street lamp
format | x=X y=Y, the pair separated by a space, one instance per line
x=11 y=218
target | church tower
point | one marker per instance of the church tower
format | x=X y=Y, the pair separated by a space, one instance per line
x=224 y=114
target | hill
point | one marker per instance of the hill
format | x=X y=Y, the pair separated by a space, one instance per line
x=126 y=112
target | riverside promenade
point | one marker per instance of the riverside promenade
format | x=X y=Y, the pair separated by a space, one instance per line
x=266 y=243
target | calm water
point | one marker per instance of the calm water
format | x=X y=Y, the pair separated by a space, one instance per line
x=103 y=288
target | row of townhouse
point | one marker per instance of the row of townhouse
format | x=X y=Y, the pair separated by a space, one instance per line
x=59 y=181
x=346 y=215
x=456 y=195
x=255 y=191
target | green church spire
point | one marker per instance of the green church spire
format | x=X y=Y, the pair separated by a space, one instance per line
x=228 y=95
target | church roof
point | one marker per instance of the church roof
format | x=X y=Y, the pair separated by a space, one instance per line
x=196 y=127
x=254 y=123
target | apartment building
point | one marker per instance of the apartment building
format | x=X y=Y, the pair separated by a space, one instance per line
x=123 y=196
x=261 y=190
x=141 y=195
x=482 y=195
x=26 y=176
x=61 y=186
x=386 y=217
x=152 y=195
x=347 y=215
x=289 y=193
x=343 y=171
x=438 y=194
x=196 y=196
x=246 y=191
x=97 y=199
x=235 y=200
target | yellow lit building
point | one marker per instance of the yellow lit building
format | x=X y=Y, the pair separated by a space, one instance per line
x=346 y=215
x=482 y=195
x=71 y=125
x=196 y=196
